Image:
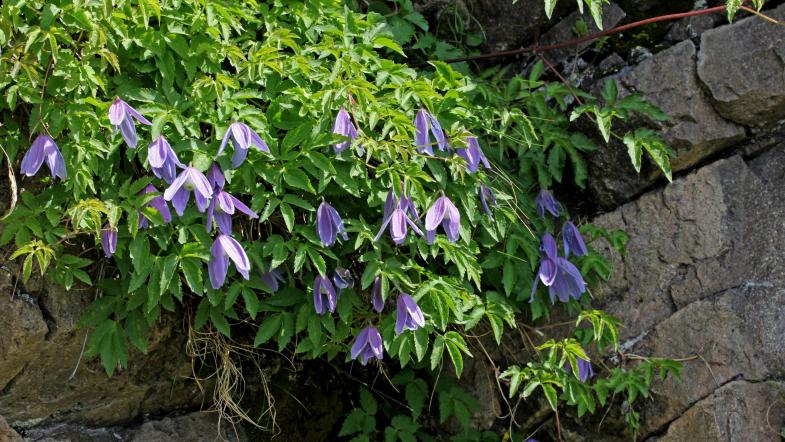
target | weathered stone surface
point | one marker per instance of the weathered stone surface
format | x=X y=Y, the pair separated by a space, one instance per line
x=507 y=25
x=739 y=411
x=692 y=27
x=695 y=130
x=43 y=377
x=612 y=14
x=743 y=66
x=704 y=279
x=7 y=434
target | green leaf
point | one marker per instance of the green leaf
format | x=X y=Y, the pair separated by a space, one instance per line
x=167 y=271
x=269 y=328
x=298 y=179
x=367 y=402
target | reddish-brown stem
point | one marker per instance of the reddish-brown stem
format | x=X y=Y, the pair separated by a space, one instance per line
x=587 y=38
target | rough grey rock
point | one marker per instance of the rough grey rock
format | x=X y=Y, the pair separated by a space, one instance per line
x=704 y=279
x=743 y=66
x=695 y=130
x=692 y=27
x=7 y=434
x=40 y=348
x=612 y=14
x=739 y=411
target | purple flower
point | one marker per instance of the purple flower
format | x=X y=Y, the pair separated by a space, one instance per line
x=563 y=279
x=368 y=345
x=243 y=137
x=158 y=203
x=445 y=213
x=585 y=370
x=222 y=207
x=215 y=177
x=487 y=194
x=343 y=278
x=163 y=160
x=344 y=126
x=43 y=148
x=121 y=115
x=395 y=216
x=109 y=240
x=546 y=202
x=376 y=295
x=179 y=191
x=473 y=155
x=422 y=123
x=329 y=224
x=573 y=241
x=225 y=246
x=272 y=278
x=410 y=316
x=324 y=292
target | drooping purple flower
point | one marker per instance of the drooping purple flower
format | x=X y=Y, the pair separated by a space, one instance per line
x=395 y=216
x=473 y=155
x=109 y=240
x=180 y=190
x=344 y=126
x=222 y=207
x=585 y=371
x=215 y=177
x=224 y=246
x=487 y=194
x=546 y=202
x=563 y=279
x=410 y=316
x=343 y=278
x=573 y=241
x=329 y=225
x=43 y=149
x=422 y=139
x=158 y=203
x=163 y=160
x=324 y=297
x=376 y=295
x=272 y=278
x=443 y=212
x=121 y=115
x=243 y=137
x=368 y=345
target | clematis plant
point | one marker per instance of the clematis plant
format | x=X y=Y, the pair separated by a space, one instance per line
x=163 y=160
x=43 y=149
x=377 y=302
x=109 y=240
x=158 y=203
x=563 y=279
x=222 y=207
x=344 y=126
x=224 y=246
x=486 y=196
x=189 y=180
x=272 y=278
x=443 y=212
x=545 y=202
x=243 y=138
x=473 y=155
x=122 y=117
x=409 y=316
x=324 y=297
x=329 y=225
x=573 y=241
x=368 y=345
x=426 y=124
x=395 y=215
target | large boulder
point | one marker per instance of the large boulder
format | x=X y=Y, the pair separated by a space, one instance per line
x=743 y=67
x=44 y=376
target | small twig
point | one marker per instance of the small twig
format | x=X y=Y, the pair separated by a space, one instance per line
x=81 y=353
x=762 y=15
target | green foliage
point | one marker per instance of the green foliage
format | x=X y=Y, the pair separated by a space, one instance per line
x=595 y=8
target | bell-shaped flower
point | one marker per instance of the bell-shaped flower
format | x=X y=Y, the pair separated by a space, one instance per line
x=243 y=138
x=109 y=240
x=376 y=295
x=585 y=371
x=226 y=248
x=272 y=278
x=158 y=203
x=410 y=316
x=343 y=278
x=443 y=212
x=573 y=241
x=222 y=207
x=486 y=196
x=563 y=279
x=395 y=215
x=122 y=117
x=368 y=345
x=548 y=267
x=189 y=180
x=163 y=160
x=344 y=126
x=424 y=125
x=44 y=148
x=545 y=202
x=473 y=155
x=329 y=225
x=215 y=177
x=324 y=297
